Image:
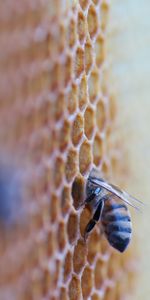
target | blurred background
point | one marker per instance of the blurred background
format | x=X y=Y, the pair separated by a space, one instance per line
x=129 y=45
x=56 y=122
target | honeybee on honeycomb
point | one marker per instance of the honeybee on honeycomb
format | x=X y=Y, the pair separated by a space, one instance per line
x=57 y=118
x=114 y=216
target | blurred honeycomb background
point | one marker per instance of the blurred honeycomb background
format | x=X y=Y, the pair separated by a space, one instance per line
x=57 y=121
x=129 y=45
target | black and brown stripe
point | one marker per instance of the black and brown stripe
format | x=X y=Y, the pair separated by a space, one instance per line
x=117 y=224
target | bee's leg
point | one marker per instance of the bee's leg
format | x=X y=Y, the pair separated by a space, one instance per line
x=98 y=211
x=95 y=219
x=89 y=227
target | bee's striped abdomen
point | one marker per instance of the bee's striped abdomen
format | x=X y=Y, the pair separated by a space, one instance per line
x=117 y=224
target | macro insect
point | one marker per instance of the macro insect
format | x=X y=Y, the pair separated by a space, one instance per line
x=109 y=205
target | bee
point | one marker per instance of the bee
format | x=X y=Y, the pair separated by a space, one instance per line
x=109 y=205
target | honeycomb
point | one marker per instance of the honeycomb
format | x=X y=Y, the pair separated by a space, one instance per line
x=57 y=121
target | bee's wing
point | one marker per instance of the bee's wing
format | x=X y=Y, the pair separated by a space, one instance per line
x=115 y=190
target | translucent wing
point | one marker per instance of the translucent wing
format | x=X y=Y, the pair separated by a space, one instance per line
x=115 y=190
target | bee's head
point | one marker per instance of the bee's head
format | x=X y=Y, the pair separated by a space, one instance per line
x=92 y=188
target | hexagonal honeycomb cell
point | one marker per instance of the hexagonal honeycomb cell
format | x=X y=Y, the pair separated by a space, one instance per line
x=100 y=50
x=67 y=266
x=61 y=235
x=79 y=61
x=77 y=129
x=93 y=246
x=60 y=105
x=92 y=21
x=104 y=11
x=59 y=168
x=101 y=116
x=71 y=34
x=81 y=25
x=67 y=70
x=86 y=282
x=72 y=98
x=57 y=118
x=79 y=257
x=83 y=95
x=100 y=273
x=88 y=56
x=71 y=165
x=85 y=157
x=89 y=122
x=97 y=150
x=72 y=227
x=78 y=191
x=94 y=85
x=54 y=208
x=65 y=202
x=64 y=135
